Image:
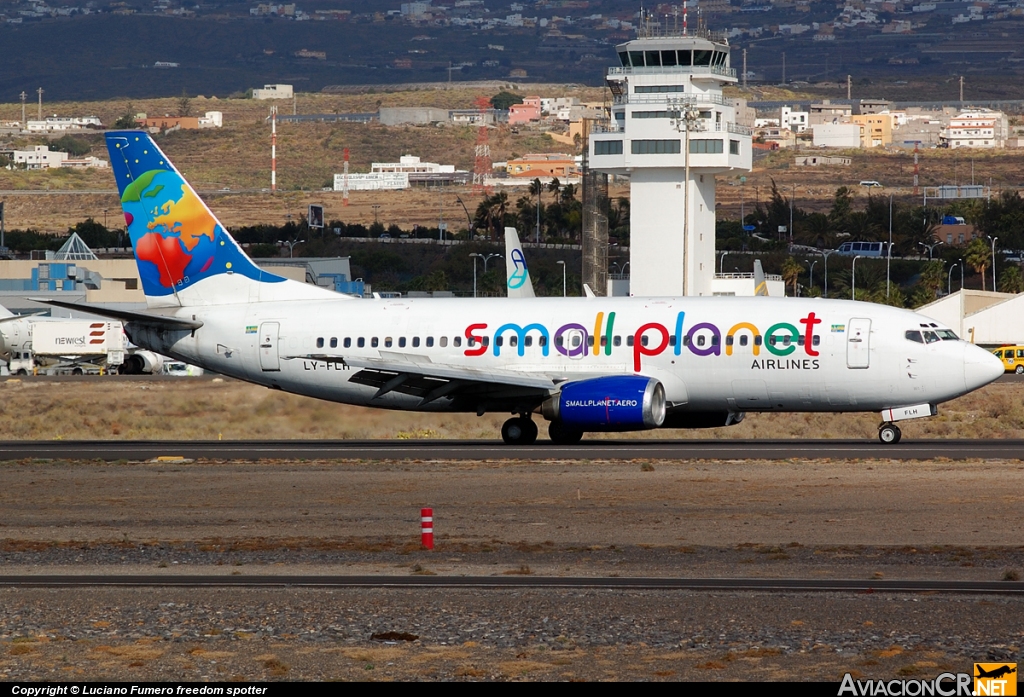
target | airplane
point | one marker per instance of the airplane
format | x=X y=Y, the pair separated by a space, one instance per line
x=592 y=364
x=995 y=672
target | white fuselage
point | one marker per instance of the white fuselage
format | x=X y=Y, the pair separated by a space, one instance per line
x=711 y=354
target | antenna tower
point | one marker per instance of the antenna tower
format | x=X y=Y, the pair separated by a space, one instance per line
x=917 y=190
x=273 y=149
x=482 y=167
x=344 y=181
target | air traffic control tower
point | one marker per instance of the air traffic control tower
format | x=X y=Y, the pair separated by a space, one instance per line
x=671 y=132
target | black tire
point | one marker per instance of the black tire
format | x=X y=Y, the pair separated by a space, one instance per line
x=77 y=371
x=22 y=372
x=889 y=434
x=530 y=432
x=560 y=434
x=514 y=432
x=1019 y=369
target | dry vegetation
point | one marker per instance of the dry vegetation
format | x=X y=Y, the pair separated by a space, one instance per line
x=198 y=409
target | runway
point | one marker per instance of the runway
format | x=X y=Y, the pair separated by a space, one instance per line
x=908 y=450
x=505 y=582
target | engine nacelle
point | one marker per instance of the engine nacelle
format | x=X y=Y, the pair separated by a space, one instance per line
x=613 y=403
x=142 y=362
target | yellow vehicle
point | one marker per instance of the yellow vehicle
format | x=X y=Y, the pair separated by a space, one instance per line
x=1012 y=357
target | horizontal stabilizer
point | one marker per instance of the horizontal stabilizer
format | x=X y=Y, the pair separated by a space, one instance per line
x=162 y=321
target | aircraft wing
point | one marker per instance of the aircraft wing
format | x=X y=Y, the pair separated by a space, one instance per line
x=430 y=381
x=163 y=321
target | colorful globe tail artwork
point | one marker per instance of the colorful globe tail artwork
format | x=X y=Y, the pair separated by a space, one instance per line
x=178 y=242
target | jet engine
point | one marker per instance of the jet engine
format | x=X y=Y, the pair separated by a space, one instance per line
x=142 y=362
x=613 y=403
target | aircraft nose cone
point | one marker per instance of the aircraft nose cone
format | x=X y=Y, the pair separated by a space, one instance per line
x=980 y=367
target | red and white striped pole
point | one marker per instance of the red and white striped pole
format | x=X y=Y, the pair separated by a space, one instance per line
x=427 y=527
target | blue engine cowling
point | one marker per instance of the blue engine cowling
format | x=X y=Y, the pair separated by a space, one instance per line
x=613 y=403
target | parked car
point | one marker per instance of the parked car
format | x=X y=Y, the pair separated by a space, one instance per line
x=1012 y=358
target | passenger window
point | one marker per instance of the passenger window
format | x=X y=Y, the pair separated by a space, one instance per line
x=559 y=340
x=771 y=340
x=513 y=341
x=401 y=342
x=499 y=341
x=542 y=341
x=1020 y=353
x=716 y=340
x=787 y=340
x=348 y=342
x=800 y=340
x=415 y=342
x=643 y=340
x=758 y=340
x=743 y=339
x=817 y=341
x=604 y=341
x=470 y=342
x=700 y=340
x=528 y=341
x=361 y=342
x=457 y=341
x=387 y=342
x=590 y=341
x=729 y=340
x=374 y=342
x=616 y=340
x=334 y=342
x=672 y=340
x=914 y=336
x=687 y=340
x=576 y=340
x=486 y=341
x=320 y=342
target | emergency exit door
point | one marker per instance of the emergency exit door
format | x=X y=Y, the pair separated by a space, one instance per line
x=858 y=343
x=269 y=358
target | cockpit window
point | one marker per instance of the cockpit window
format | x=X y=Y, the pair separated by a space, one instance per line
x=931 y=337
x=947 y=335
x=914 y=336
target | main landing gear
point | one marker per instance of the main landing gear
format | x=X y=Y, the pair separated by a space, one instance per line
x=889 y=433
x=519 y=431
x=561 y=434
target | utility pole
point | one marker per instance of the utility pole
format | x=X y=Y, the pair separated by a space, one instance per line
x=23 y=122
x=273 y=149
x=40 y=91
x=744 y=69
x=783 y=67
x=961 y=90
x=849 y=85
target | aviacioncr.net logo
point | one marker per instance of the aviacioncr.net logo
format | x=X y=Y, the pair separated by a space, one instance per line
x=944 y=685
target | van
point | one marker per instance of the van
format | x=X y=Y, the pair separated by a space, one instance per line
x=871 y=183
x=1012 y=358
x=862 y=249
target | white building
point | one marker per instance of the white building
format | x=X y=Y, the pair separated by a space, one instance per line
x=836 y=135
x=39 y=157
x=212 y=119
x=671 y=133
x=63 y=123
x=979 y=128
x=796 y=121
x=981 y=317
x=411 y=164
x=374 y=181
x=273 y=92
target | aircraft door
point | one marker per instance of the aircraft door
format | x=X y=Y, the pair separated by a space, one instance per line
x=269 y=358
x=858 y=343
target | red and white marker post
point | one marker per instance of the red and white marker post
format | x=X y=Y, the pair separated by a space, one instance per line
x=427 y=527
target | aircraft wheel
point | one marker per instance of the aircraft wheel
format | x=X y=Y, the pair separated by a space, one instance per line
x=519 y=431
x=1019 y=369
x=560 y=434
x=77 y=371
x=889 y=434
x=22 y=372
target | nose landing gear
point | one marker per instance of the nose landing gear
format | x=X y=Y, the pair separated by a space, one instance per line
x=519 y=431
x=889 y=433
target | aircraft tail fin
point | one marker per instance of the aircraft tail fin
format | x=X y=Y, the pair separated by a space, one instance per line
x=760 y=284
x=517 y=275
x=184 y=255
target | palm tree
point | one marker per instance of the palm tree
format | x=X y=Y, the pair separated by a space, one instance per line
x=791 y=272
x=978 y=256
x=536 y=189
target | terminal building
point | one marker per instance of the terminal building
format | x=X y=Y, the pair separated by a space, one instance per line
x=671 y=133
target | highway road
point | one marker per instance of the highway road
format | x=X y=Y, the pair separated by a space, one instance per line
x=495 y=450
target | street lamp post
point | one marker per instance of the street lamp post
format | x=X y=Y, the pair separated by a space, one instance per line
x=474 y=256
x=685 y=118
x=291 y=246
x=888 y=251
x=825 y=254
x=994 y=240
x=853 y=278
x=810 y=280
x=721 y=262
x=949 y=280
x=930 y=247
x=562 y=264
